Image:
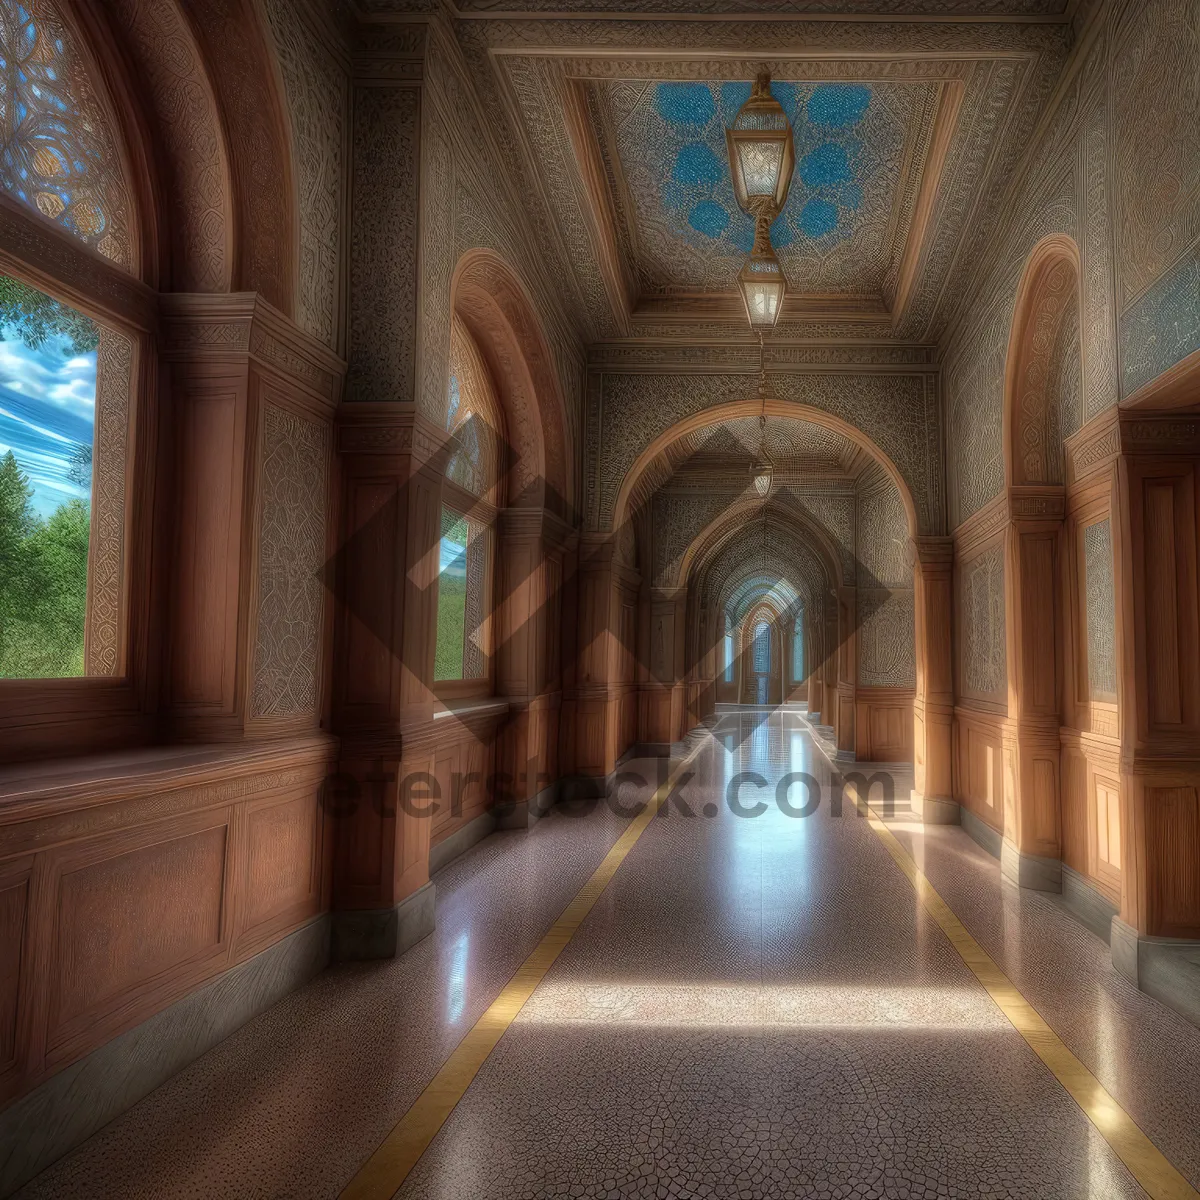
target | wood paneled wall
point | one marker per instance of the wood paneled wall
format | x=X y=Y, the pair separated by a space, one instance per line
x=123 y=888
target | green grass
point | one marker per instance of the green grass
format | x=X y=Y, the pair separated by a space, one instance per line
x=451 y=623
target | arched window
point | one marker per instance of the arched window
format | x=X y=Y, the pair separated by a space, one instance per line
x=475 y=489
x=65 y=379
x=58 y=156
x=762 y=648
x=798 y=649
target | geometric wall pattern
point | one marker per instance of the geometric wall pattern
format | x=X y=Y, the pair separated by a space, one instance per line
x=982 y=642
x=1101 y=611
x=295 y=469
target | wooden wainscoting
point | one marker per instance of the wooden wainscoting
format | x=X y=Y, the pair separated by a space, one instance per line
x=883 y=726
x=127 y=882
x=1091 y=804
x=979 y=776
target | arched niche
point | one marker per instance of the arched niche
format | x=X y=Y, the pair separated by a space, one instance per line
x=1042 y=370
x=493 y=304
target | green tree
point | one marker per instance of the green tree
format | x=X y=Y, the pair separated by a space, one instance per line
x=16 y=524
x=56 y=572
x=43 y=581
x=34 y=317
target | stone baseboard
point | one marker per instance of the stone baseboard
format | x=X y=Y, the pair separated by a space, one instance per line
x=1030 y=870
x=992 y=840
x=73 y=1104
x=1166 y=968
x=937 y=810
x=364 y=934
x=468 y=835
x=1090 y=907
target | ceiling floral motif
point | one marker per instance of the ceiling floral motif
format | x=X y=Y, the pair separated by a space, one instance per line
x=858 y=148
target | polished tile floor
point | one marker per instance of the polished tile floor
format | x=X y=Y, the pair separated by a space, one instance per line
x=756 y=1006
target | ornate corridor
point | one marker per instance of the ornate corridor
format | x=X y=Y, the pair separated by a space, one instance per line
x=599 y=598
x=758 y=1004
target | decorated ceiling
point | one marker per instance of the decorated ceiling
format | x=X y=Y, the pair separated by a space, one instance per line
x=907 y=134
x=859 y=150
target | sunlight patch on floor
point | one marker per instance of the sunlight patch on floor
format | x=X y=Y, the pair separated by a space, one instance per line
x=702 y=1006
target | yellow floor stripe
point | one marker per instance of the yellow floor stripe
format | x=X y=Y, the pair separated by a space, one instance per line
x=383 y=1173
x=1146 y=1163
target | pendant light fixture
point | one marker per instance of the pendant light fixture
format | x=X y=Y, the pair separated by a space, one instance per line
x=762 y=159
x=762 y=154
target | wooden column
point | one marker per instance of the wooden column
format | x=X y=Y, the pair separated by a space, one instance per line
x=531 y=549
x=248 y=425
x=933 y=705
x=600 y=704
x=1032 y=848
x=1157 y=542
x=847 y=669
x=386 y=586
x=661 y=677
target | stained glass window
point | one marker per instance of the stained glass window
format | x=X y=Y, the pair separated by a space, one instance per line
x=57 y=156
x=728 y=649
x=47 y=431
x=798 y=649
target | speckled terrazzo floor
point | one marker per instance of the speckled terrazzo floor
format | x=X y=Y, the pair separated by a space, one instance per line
x=756 y=1007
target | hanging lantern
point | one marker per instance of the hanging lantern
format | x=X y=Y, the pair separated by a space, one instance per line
x=761 y=473
x=761 y=281
x=762 y=155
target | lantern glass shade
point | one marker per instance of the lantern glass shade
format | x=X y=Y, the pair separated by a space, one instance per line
x=762 y=478
x=762 y=285
x=762 y=155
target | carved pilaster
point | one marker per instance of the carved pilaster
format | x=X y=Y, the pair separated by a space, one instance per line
x=248 y=437
x=933 y=705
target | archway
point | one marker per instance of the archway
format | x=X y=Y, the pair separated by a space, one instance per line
x=1041 y=400
x=532 y=505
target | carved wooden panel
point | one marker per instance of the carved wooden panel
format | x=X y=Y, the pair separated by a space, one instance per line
x=124 y=920
x=281 y=874
x=1108 y=829
x=207 y=549
x=1169 y=597
x=1039 y=627
x=14 y=907
x=1173 y=861
x=370 y=569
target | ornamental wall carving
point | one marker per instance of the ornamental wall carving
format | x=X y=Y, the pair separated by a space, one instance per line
x=1116 y=169
x=291 y=554
x=186 y=122
x=318 y=92
x=982 y=643
x=886 y=639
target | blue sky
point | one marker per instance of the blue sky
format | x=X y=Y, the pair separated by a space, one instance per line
x=47 y=408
